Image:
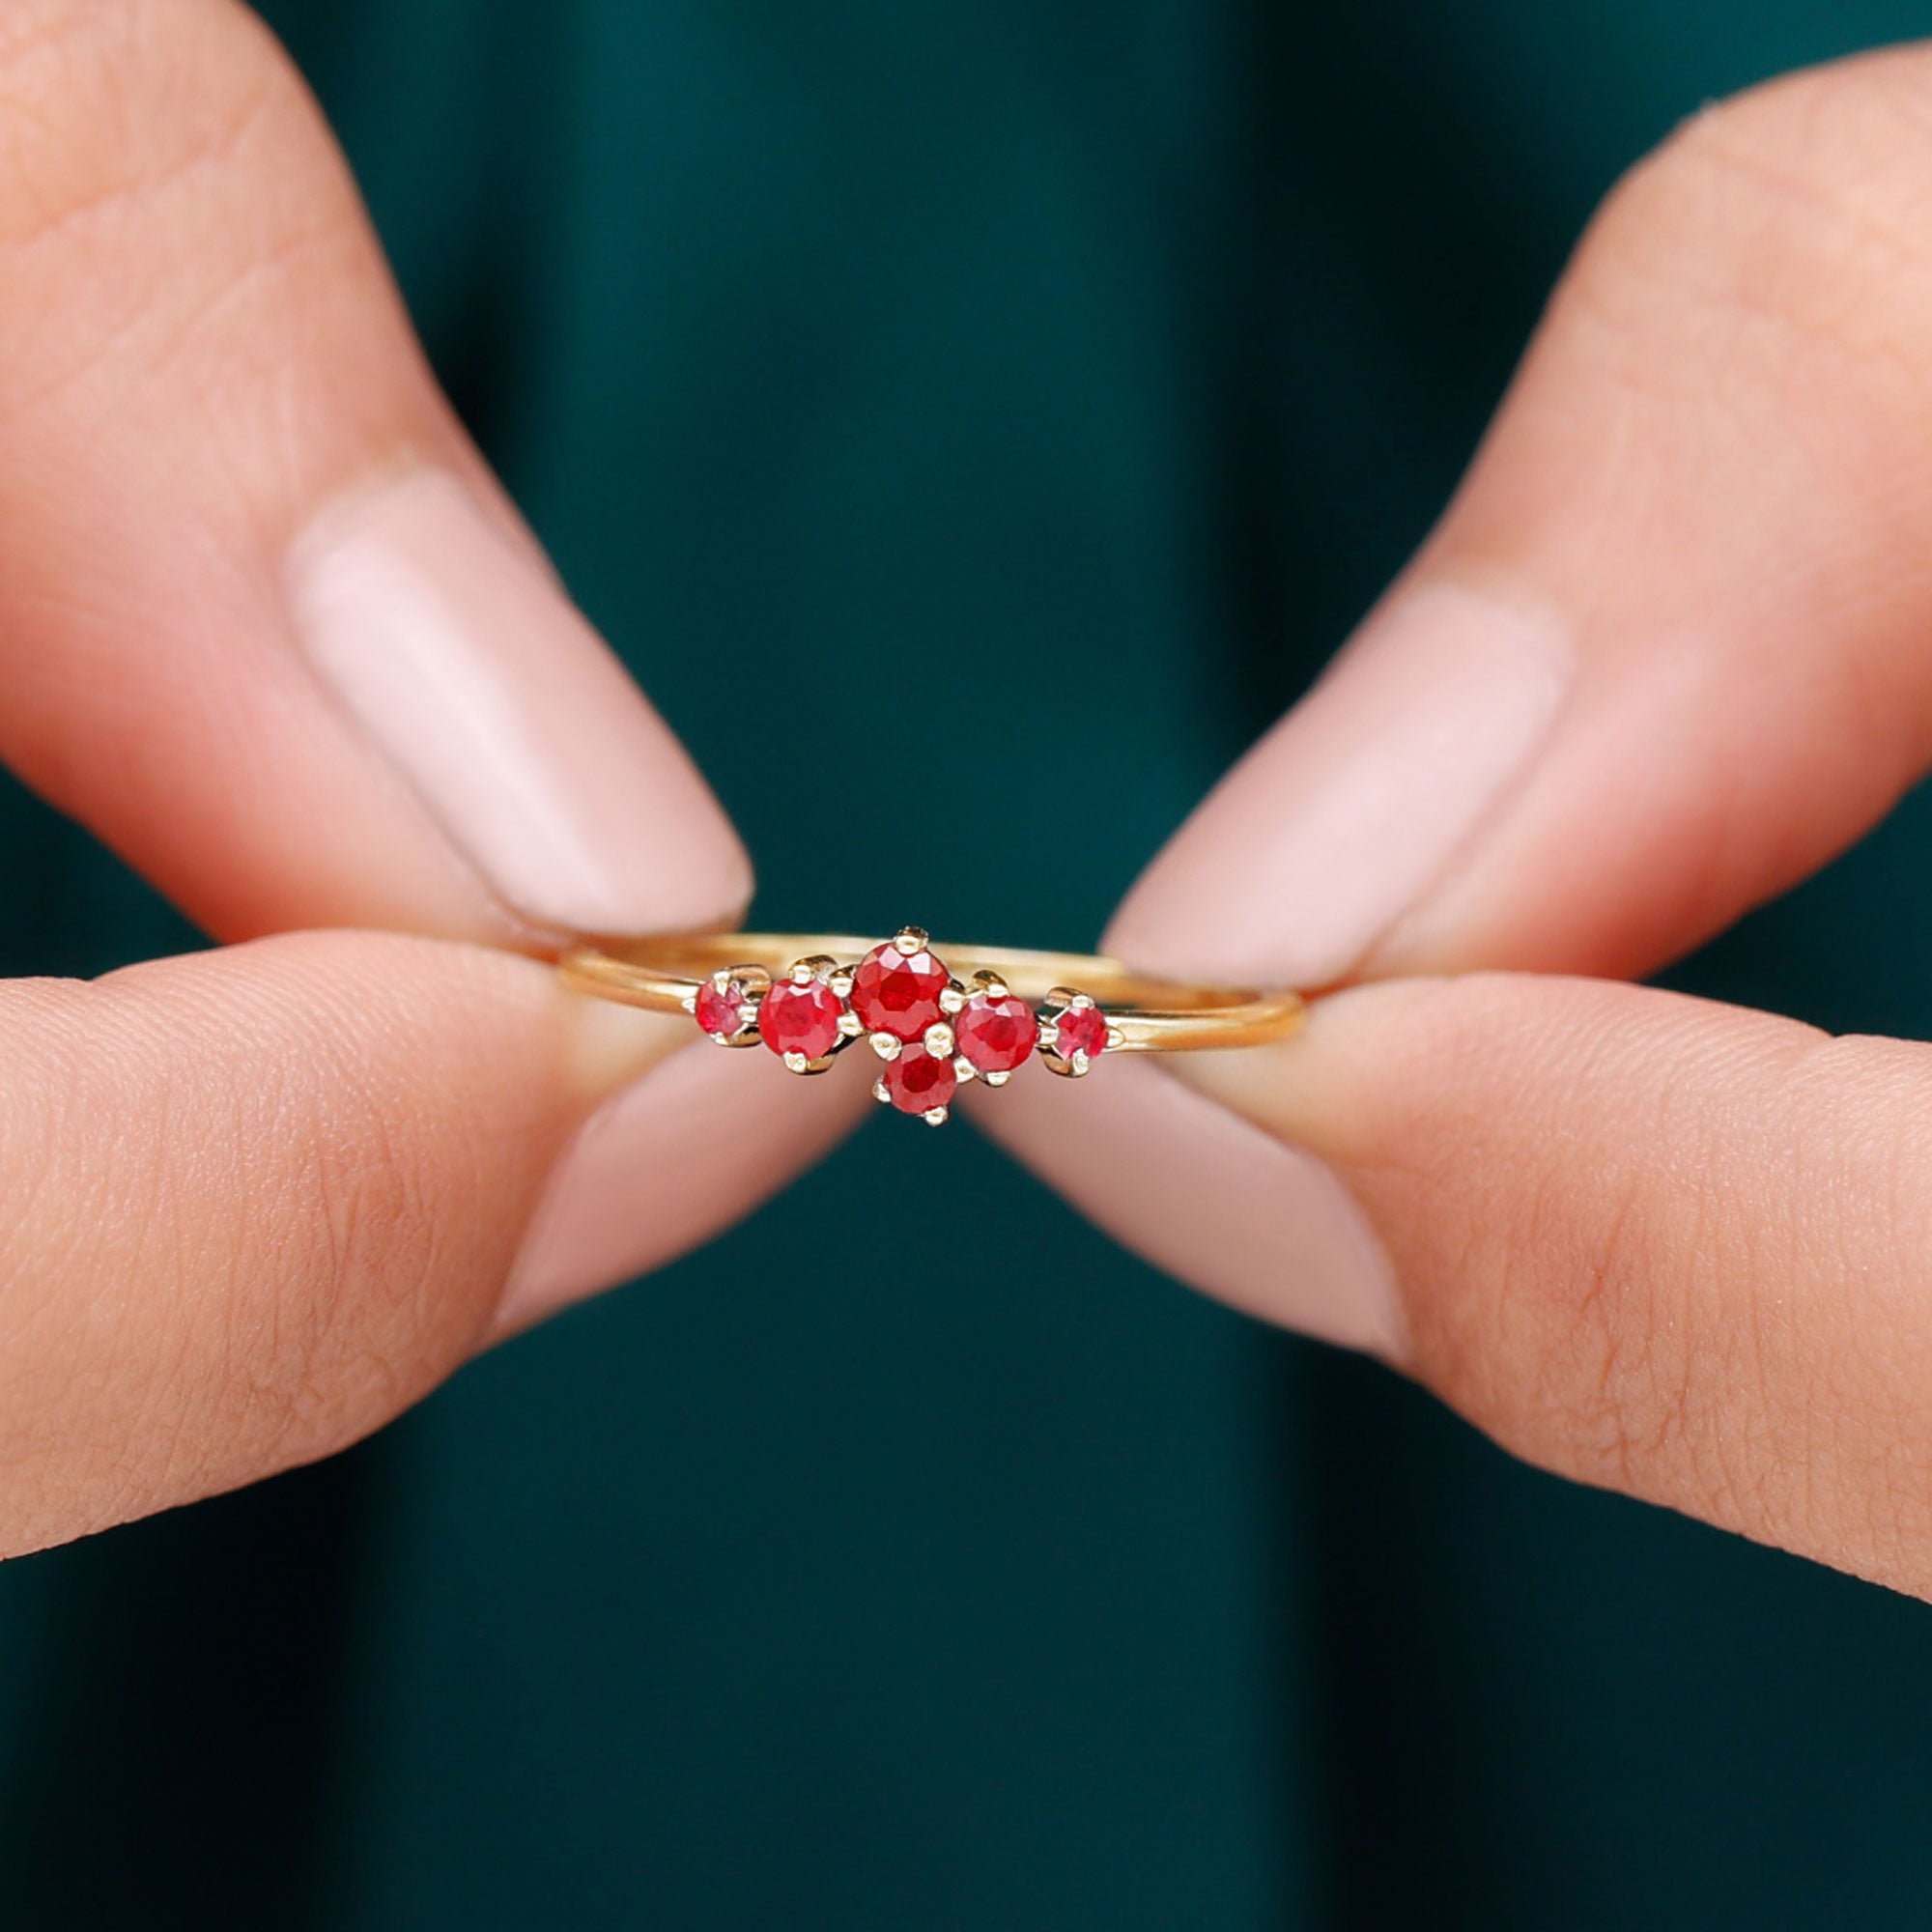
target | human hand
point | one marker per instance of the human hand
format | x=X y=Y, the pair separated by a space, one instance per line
x=271 y=629
x=1668 y=651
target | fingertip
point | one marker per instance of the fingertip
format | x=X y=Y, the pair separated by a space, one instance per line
x=1352 y=811
x=457 y=657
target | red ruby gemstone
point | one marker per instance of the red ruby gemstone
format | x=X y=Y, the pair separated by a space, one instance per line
x=721 y=1012
x=916 y=1081
x=896 y=992
x=1081 y=1029
x=800 y=1019
x=996 y=1035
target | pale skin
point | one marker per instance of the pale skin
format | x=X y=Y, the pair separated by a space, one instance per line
x=255 y=1202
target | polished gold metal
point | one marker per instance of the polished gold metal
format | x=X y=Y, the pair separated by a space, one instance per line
x=1143 y=1014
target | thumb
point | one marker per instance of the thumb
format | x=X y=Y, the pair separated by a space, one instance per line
x=1665 y=1246
x=255 y=1202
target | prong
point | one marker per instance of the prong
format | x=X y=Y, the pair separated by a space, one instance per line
x=1049 y=1036
x=996 y=1079
x=841 y=981
x=886 y=1046
x=1080 y=1062
x=797 y=1062
x=938 y=1041
x=1081 y=999
x=820 y=966
x=880 y=1095
x=910 y=939
x=953 y=999
x=801 y=973
x=689 y=1004
x=851 y=1025
x=935 y=1117
x=991 y=984
x=1116 y=1039
x=964 y=1070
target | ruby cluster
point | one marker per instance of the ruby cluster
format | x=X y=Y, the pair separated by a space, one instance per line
x=931 y=1031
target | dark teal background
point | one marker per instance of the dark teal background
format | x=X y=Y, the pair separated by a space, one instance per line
x=1141 y=340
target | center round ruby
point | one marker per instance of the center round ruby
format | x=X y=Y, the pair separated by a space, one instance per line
x=916 y=1081
x=800 y=1019
x=996 y=1035
x=898 y=993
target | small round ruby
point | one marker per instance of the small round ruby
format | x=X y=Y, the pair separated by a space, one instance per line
x=896 y=992
x=916 y=1081
x=996 y=1035
x=721 y=1012
x=1081 y=1029
x=800 y=1019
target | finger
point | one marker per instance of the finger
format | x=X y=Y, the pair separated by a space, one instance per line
x=267 y=624
x=1669 y=1247
x=1664 y=653
x=255 y=1202
x=1667 y=650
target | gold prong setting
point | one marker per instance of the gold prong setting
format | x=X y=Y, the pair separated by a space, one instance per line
x=1073 y=1032
x=931 y=1033
x=801 y=1017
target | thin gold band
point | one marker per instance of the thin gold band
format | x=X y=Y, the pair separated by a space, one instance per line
x=1144 y=1016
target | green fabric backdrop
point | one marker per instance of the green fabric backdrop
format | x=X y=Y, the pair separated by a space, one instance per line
x=776 y=1592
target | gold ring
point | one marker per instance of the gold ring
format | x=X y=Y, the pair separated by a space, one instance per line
x=808 y=996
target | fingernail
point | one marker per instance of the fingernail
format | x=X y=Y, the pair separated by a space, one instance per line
x=628 y=1193
x=1341 y=820
x=1213 y=1200
x=482 y=685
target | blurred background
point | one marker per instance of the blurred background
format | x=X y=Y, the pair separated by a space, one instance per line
x=1141 y=340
